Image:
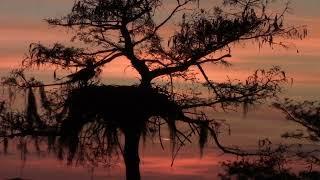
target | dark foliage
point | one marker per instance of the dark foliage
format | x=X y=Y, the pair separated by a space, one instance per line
x=264 y=169
x=89 y=118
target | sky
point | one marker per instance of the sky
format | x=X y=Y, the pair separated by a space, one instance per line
x=21 y=23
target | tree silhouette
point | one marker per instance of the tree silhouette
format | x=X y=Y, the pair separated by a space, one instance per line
x=306 y=114
x=87 y=118
x=277 y=164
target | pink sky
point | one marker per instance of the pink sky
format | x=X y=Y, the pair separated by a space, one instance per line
x=22 y=23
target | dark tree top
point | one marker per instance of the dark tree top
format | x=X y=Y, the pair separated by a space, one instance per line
x=88 y=116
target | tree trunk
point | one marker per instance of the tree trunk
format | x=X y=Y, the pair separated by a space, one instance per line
x=131 y=155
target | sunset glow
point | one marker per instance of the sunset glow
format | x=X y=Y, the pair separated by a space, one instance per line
x=22 y=23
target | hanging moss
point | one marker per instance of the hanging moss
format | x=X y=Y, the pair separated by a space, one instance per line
x=32 y=117
x=44 y=99
x=125 y=108
x=203 y=136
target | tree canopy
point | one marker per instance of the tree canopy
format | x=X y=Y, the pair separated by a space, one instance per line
x=89 y=117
